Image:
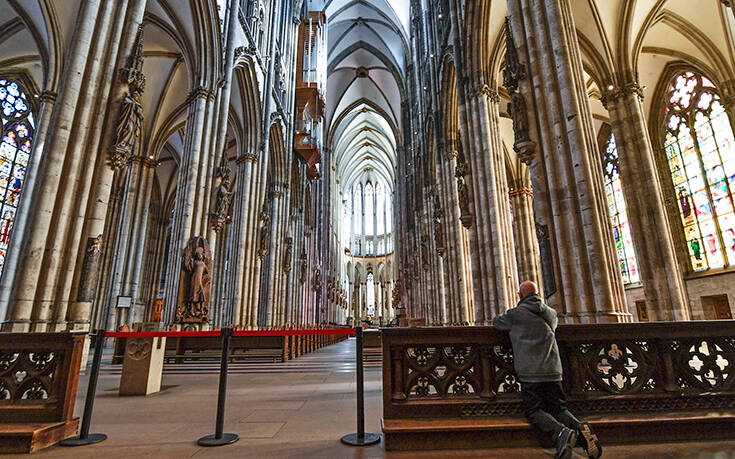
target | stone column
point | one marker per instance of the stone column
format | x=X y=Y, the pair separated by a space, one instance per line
x=554 y=134
x=524 y=232
x=659 y=271
x=493 y=264
x=187 y=191
x=85 y=291
x=52 y=230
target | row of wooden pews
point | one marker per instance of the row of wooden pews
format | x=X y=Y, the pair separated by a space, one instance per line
x=242 y=348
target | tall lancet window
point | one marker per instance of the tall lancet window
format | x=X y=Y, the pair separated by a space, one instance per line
x=370 y=286
x=18 y=128
x=701 y=157
x=357 y=210
x=388 y=213
x=369 y=210
x=380 y=211
x=619 y=214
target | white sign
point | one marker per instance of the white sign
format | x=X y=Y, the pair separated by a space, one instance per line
x=124 y=302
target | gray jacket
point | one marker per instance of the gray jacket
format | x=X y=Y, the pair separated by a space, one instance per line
x=531 y=327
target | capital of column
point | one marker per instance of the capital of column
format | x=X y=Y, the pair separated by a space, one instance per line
x=145 y=161
x=247 y=157
x=613 y=94
x=200 y=92
x=523 y=191
x=484 y=90
x=48 y=96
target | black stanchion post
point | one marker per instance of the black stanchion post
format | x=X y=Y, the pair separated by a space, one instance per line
x=360 y=438
x=86 y=438
x=219 y=438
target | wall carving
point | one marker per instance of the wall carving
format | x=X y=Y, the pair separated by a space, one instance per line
x=196 y=282
x=288 y=255
x=547 y=259
x=90 y=270
x=130 y=121
x=513 y=74
x=223 y=196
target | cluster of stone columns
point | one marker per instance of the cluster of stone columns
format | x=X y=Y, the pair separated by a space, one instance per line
x=60 y=205
x=569 y=199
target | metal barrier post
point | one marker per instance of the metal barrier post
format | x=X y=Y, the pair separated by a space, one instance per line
x=219 y=438
x=84 y=437
x=360 y=438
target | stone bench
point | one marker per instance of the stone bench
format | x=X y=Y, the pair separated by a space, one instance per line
x=39 y=373
x=455 y=387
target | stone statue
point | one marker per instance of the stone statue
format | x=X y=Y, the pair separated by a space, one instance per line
x=128 y=129
x=196 y=282
x=303 y=266
x=223 y=198
x=288 y=255
x=425 y=258
x=316 y=280
x=130 y=122
x=265 y=233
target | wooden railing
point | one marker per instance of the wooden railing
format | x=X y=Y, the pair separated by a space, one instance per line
x=39 y=373
x=465 y=372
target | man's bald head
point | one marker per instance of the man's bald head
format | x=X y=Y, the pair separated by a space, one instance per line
x=527 y=288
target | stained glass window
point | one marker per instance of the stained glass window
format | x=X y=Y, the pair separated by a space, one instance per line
x=619 y=215
x=370 y=293
x=357 y=210
x=380 y=209
x=18 y=128
x=701 y=157
x=369 y=210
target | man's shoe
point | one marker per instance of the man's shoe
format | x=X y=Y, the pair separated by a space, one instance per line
x=565 y=442
x=588 y=440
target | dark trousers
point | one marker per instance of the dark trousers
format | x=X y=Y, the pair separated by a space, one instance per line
x=546 y=407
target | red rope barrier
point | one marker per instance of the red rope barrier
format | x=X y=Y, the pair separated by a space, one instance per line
x=339 y=331
x=186 y=334
x=172 y=334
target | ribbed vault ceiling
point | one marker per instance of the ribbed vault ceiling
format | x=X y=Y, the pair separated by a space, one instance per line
x=366 y=60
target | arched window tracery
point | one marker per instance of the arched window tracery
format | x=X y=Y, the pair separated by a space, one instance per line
x=619 y=214
x=18 y=129
x=701 y=158
x=369 y=210
x=370 y=294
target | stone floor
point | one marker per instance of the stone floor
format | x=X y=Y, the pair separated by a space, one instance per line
x=296 y=409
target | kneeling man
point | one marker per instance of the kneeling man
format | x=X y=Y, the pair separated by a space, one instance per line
x=531 y=326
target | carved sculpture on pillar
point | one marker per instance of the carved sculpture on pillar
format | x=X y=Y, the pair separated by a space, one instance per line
x=196 y=282
x=316 y=280
x=547 y=261
x=513 y=73
x=303 y=266
x=223 y=197
x=90 y=269
x=436 y=219
x=288 y=254
x=425 y=258
x=130 y=121
x=264 y=235
x=463 y=193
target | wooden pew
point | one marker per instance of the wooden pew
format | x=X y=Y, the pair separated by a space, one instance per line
x=455 y=387
x=372 y=345
x=39 y=373
x=277 y=348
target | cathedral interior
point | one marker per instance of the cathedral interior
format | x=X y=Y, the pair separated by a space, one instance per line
x=271 y=164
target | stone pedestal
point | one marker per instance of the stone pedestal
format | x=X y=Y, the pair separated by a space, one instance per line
x=142 y=366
